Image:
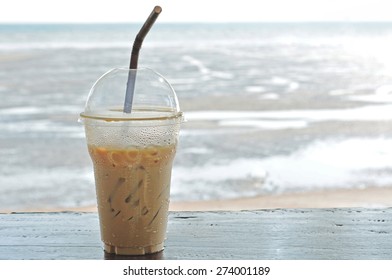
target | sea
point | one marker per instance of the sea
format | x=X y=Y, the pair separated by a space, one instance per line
x=270 y=108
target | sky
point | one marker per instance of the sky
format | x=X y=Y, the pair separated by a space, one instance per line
x=194 y=10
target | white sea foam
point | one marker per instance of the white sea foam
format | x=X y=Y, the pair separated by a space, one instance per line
x=373 y=98
x=338 y=92
x=21 y=110
x=265 y=124
x=196 y=150
x=181 y=81
x=222 y=75
x=270 y=96
x=33 y=121
x=347 y=163
x=61 y=45
x=43 y=126
x=383 y=94
x=323 y=164
x=279 y=81
x=384 y=90
x=47 y=188
x=197 y=63
x=205 y=71
x=292 y=86
x=205 y=182
x=255 y=89
x=213 y=172
x=366 y=113
x=33 y=110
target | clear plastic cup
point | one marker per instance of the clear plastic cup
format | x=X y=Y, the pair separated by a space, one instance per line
x=132 y=154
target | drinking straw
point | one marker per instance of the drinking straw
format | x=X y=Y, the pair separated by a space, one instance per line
x=135 y=57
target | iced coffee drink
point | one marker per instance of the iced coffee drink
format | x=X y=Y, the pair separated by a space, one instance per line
x=133 y=192
x=132 y=155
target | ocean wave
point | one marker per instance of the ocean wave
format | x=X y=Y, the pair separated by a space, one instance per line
x=34 y=110
x=267 y=125
x=42 y=126
x=346 y=163
x=365 y=113
x=47 y=188
x=382 y=94
x=206 y=71
x=80 y=45
x=62 y=45
x=218 y=180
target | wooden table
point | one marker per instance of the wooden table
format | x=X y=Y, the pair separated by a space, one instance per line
x=264 y=234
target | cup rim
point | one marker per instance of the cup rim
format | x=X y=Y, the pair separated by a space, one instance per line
x=122 y=118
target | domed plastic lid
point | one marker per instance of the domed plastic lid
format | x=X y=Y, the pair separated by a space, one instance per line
x=153 y=98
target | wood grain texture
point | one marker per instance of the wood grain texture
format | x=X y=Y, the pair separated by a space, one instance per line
x=264 y=234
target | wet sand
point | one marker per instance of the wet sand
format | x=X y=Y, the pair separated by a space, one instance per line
x=338 y=198
x=369 y=197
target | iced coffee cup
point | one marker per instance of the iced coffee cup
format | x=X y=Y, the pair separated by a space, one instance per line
x=132 y=155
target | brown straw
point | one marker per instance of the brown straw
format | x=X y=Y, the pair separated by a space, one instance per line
x=135 y=57
x=142 y=34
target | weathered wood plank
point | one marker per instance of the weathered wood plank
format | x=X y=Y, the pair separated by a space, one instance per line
x=262 y=234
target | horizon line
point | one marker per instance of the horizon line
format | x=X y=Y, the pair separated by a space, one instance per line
x=193 y=22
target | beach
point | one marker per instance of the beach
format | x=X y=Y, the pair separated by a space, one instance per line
x=277 y=115
x=367 y=198
x=339 y=198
